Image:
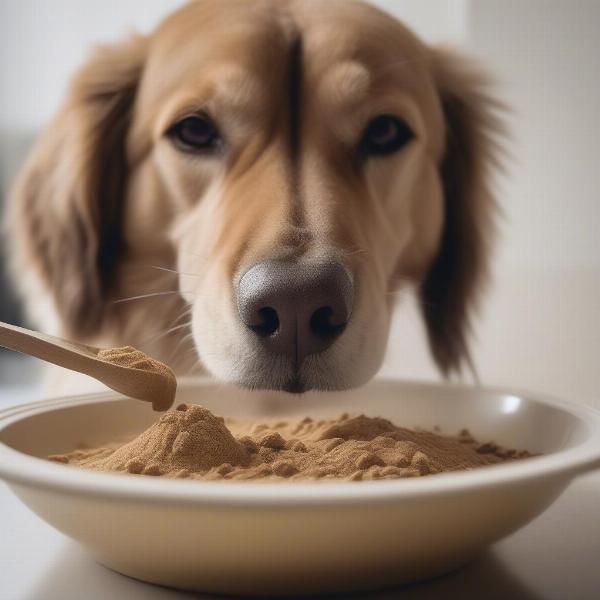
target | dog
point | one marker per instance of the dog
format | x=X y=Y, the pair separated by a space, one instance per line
x=245 y=190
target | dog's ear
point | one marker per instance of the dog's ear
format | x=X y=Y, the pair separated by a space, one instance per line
x=67 y=202
x=450 y=290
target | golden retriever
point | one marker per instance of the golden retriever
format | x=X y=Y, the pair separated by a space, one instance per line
x=247 y=187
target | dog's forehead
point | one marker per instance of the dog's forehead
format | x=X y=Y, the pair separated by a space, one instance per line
x=351 y=46
x=204 y=35
x=259 y=35
x=349 y=52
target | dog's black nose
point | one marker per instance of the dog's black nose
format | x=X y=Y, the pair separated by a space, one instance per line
x=296 y=309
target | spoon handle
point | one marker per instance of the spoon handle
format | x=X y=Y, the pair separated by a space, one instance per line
x=52 y=349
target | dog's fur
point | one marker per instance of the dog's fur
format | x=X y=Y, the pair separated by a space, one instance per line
x=105 y=198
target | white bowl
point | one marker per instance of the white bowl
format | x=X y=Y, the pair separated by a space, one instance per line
x=297 y=538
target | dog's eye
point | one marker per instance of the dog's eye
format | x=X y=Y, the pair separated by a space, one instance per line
x=195 y=134
x=384 y=135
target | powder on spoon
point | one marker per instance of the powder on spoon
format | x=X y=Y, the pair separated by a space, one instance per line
x=132 y=358
x=191 y=442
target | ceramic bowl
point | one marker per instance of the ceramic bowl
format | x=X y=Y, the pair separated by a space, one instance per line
x=297 y=538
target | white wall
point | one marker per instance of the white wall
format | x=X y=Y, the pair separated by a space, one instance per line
x=540 y=327
x=42 y=42
x=545 y=53
x=434 y=20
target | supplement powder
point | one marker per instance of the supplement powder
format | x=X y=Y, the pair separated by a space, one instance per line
x=191 y=442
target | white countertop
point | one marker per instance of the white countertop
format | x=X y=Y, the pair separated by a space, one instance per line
x=556 y=557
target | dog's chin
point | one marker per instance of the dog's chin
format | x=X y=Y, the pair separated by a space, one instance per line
x=316 y=373
x=294 y=385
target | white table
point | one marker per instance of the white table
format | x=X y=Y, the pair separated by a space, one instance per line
x=555 y=557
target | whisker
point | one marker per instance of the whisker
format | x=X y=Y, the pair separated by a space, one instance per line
x=184 y=312
x=190 y=354
x=174 y=271
x=152 y=295
x=161 y=334
x=197 y=364
x=159 y=268
x=184 y=340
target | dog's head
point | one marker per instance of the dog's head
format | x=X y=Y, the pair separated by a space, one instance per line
x=296 y=162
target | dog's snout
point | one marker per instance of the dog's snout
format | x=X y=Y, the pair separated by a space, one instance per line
x=296 y=309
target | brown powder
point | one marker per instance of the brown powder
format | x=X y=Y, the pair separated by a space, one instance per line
x=132 y=358
x=191 y=442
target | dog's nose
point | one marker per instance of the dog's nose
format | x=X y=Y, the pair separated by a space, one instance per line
x=296 y=309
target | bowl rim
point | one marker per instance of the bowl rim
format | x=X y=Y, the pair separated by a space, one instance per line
x=29 y=471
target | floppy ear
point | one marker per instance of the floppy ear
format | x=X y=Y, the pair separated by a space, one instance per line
x=67 y=202
x=450 y=290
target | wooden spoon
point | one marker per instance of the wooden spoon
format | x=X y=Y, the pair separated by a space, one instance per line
x=146 y=379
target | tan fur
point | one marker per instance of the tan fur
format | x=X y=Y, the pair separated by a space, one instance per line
x=105 y=197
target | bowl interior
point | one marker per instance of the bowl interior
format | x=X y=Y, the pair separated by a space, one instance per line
x=508 y=419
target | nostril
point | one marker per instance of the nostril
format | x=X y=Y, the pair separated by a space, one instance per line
x=322 y=324
x=269 y=322
x=295 y=309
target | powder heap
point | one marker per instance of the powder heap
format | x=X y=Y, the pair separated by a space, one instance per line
x=132 y=358
x=191 y=442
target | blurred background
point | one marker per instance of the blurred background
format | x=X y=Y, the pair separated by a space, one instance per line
x=540 y=325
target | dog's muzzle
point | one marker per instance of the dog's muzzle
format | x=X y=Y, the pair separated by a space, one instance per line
x=296 y=309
